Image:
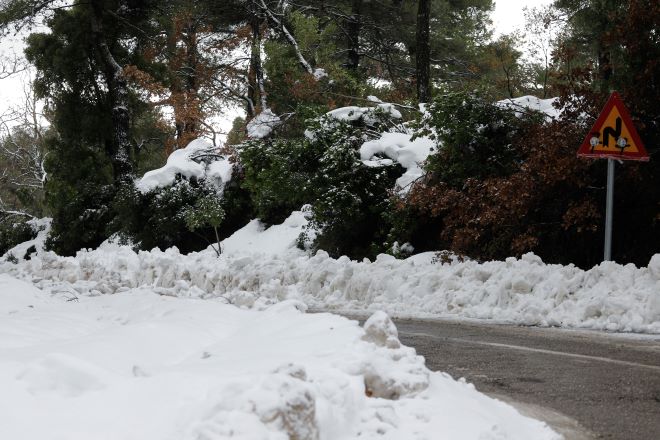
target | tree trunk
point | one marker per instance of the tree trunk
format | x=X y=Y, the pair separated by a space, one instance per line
x=256 y=73
x=192 y=112
x=118 y=92
x=354 y=29
x=423 y=51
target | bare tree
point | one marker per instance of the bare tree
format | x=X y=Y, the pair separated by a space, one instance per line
x=11 y=65
x=23 y=132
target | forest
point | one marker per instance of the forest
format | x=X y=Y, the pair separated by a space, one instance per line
x=122 y=87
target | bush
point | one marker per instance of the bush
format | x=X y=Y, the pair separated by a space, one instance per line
x=350 y=201
x=189 y=214
x=278 y=175
x=14 y=232
x=508 y=188
x=475 y=138
x=79 y=193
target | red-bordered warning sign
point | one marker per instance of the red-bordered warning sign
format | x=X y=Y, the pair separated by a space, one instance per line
x=614 y=135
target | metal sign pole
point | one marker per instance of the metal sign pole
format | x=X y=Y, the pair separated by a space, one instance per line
x=609 y=208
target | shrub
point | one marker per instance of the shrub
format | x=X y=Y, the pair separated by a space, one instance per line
x=14 y=232
x=475 y=138
x=349 y=200
x=534 y=195
x=190 y=214
x=277 y=176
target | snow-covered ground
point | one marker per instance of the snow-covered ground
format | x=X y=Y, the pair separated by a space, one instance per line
x=137 y=365
x=261 y=266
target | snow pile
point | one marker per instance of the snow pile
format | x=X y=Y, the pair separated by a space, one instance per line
x=142 y=366
x=525 y=103
x=263 y=124
x=199 y=160
x=399 y=148
x=256 y=238
x=261 y=266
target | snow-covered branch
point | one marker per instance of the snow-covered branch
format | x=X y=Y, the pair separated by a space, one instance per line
x=287 y=34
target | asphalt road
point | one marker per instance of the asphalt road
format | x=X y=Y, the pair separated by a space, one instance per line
x=586 y=385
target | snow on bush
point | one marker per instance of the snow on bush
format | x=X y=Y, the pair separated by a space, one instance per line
x=199 y=160
x=36 y=245
x=263 y=124
x=354 y=113
x=526 y=291
x=525 y=103
x=137 y=365
x=399 y=148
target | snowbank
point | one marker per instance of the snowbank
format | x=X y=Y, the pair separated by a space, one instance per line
x=261 y=267
x=199 y=159
x=136 y=365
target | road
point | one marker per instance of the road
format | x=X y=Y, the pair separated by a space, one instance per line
x=587 y=385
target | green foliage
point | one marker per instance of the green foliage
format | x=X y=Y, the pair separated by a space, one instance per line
x=237 y=133
x=474 y=137
x=13 y=232
x=186 y=214
x=277 y=176
x=79 y=193
x=349 y=200
x=352 y=200
x=206 y=212
x=158 y=218
x=80 y=188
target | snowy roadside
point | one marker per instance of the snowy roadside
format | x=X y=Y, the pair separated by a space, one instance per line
x=136 y=365
x=260 y=267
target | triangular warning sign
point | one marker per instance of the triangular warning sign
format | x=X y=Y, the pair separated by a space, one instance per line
x=614 y=135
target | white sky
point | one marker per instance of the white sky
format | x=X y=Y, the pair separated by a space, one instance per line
x=507 y=16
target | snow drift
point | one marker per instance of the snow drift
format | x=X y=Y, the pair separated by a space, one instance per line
x=268 y=269
x=137 y=365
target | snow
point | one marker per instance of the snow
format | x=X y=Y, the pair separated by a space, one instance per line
x=256 y=238
x=354 y=113
x=261 y=266
x=320 y=73
x=524 y=103
x=42 y=225
x=397 y=147
x=263 y=124
x=400 y=148
x=137 y=365
x=183 y=162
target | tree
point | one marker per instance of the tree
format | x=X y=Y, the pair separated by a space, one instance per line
x=423 y=51
x=97 y=119
x=24 y=133
x=207 y=212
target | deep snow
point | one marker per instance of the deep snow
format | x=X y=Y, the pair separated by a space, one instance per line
x=137 y=365
x=261 y=266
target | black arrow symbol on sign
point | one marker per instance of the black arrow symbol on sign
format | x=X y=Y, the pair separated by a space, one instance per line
x=609 y=131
